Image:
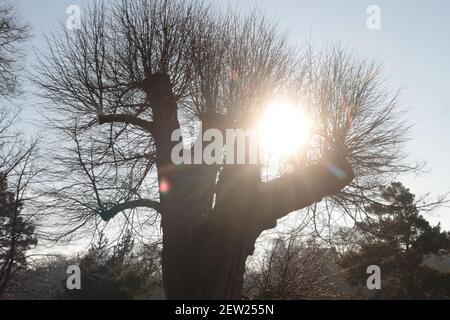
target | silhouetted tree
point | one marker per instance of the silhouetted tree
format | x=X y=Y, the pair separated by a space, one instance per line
x=295 y=268
x=16 y=234
x=138 y=70
x=17 y=169
x=16 y=155
x=43 y=279
x=109 y=271
x=397 y=239
x=12 y=33
x=118 y=272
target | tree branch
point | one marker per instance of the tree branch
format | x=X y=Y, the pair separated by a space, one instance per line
x=108 y=214
x=126 y=118
x=303 y=188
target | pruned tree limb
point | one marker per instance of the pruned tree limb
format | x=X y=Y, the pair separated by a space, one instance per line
x=303 y=188
x=141 y=203
x=128 y=119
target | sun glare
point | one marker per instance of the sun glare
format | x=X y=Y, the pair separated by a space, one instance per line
x=283 y=130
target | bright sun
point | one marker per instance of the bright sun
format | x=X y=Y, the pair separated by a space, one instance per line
x=283 y=129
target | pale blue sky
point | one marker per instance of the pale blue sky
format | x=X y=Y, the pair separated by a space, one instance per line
x=413 y=44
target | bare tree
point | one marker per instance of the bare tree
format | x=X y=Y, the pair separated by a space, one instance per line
x=138 y=70
x=12 y=32
x=297 y=266
x=353 y=106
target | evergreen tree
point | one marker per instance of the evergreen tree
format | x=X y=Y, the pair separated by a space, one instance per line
x=118 y=272
x=16 y=234
x=397 y=239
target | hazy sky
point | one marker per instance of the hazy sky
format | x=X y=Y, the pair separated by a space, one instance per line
x=413 y=43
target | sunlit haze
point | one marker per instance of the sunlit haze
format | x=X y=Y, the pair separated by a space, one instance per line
x=283 y=129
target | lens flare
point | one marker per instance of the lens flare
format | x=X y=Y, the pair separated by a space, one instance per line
x=283 y=129
x=164 y=186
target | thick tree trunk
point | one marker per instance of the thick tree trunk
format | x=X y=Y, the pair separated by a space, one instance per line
x=209 y=267
x=210 y=223
x=204 y=257
x=205 y=251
